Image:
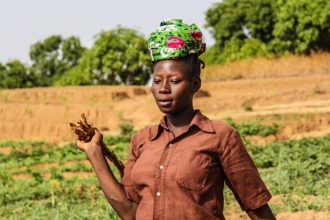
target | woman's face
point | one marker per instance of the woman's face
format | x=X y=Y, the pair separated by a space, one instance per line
x=173 y=87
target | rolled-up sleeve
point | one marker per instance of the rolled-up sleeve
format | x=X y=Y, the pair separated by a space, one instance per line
x=126 y=180
x=242 y=176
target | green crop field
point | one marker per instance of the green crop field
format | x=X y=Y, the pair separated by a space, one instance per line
x=44 y=181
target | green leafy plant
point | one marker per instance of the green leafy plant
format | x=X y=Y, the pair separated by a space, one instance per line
x=126 y=128
x=248 y=128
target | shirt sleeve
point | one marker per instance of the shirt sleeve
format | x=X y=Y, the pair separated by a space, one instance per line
x=242 y=176
x=126 y=180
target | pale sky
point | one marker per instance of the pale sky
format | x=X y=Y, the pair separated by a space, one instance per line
x=24 y=22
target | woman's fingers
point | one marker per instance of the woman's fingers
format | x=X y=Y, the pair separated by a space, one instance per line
x=96 y=141
x=81 y=145
x=98 y=136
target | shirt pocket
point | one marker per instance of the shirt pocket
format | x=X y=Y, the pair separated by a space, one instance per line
x=192 y=169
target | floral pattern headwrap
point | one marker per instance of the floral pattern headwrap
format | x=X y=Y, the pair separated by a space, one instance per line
x=175 y=39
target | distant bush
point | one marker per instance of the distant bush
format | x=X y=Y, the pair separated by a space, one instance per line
x=15 y=74
x=126 y=128
x=73 y=77
x=248 y=128
x=112 y=140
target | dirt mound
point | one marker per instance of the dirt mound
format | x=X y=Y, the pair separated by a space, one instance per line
x=44 y=113
x=277 y=67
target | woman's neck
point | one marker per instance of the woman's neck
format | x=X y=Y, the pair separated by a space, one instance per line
x=180 y=119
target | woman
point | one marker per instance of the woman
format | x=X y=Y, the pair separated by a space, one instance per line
x=177 y=169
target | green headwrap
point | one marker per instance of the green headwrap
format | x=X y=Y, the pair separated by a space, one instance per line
x=175 y=39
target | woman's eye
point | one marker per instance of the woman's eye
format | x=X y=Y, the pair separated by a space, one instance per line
x=175 y=81
x=156 y=81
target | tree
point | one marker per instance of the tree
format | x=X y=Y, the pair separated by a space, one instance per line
x=302 y=26
x=245 y=28
x=241 y=19
x=53 y=56
x=2 y=74
x=44 y=56
x=119 y=56
x=15 y=75
x=75 y=76
x=71 y=51
x=235 y=23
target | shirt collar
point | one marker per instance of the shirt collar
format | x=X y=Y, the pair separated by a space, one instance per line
x=199 y=120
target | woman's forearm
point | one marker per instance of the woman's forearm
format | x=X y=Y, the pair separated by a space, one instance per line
x=112 y=189
x=262 y=213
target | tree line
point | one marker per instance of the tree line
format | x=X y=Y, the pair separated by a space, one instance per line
x=250 y=28
x=118 y=56
x=241 y=29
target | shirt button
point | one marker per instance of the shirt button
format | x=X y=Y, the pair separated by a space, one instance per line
x=161 y=167
x=158 y=194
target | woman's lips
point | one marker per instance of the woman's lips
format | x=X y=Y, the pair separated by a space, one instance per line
x=165 y=103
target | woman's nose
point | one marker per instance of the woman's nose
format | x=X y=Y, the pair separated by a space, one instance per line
x=164 y=88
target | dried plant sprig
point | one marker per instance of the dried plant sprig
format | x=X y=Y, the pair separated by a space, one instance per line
x=85 y=132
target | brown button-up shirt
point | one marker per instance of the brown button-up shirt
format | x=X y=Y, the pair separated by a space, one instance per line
x=183 y=177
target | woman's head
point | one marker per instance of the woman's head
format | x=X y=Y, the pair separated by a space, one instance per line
x=175 y=48
x=174 y=85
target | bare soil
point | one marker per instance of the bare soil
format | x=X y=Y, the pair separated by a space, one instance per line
x=301 y=215
x=300 y=103
x=5 y=150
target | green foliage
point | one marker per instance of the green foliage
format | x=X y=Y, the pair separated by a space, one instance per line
x=15 y=75
x=56 y=174
x=248 y=128
x=74 y=77
x=37 y=176
x=119 y=56
x=236 y=49
x=76 y=198
x=22 y=143
x=126 y=128
x=112 y=140
x=5 y=177
x=55 y=196
x=300 y=166
x=253 y=47
x=71 y=51
x=53 y=56
x=297 y=170
x=2 y=74
x=302 y=26
x=241 y=28
x=211 y=55
x=241 y=19
x=250 y=28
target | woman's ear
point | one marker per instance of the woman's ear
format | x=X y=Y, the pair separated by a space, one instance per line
x=197 y=84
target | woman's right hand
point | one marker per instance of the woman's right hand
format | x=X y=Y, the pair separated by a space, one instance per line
x=93 y=145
